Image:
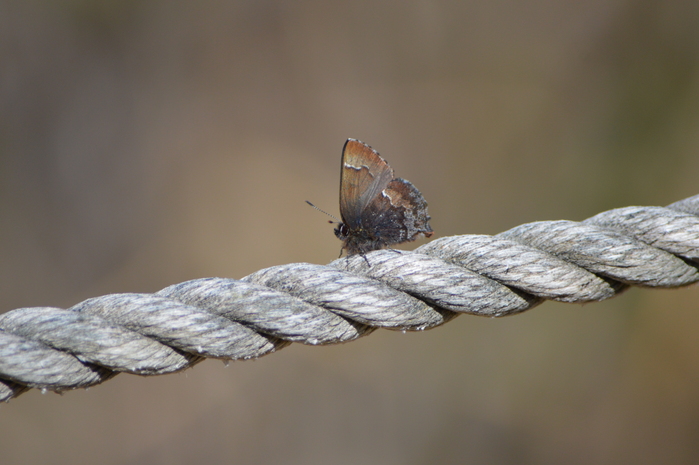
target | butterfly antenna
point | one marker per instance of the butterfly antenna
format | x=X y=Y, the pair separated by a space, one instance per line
x=323 y=211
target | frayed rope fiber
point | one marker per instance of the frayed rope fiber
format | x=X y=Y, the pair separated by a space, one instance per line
x=56 y=349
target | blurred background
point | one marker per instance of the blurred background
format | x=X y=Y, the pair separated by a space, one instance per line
x=145 y=143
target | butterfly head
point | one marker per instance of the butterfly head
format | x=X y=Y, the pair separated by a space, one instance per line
x=342 y=231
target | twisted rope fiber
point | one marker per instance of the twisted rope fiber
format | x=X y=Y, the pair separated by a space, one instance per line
x=55 y=349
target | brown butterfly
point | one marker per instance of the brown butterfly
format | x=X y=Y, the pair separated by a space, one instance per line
x=377 y=209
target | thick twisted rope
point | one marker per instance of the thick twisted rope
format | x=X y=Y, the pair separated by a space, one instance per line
x=150 y=334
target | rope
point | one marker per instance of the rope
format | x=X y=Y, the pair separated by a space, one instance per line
x=55 y=349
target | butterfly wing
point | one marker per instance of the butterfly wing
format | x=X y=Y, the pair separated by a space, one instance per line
x=397 y=215
x=364 y=174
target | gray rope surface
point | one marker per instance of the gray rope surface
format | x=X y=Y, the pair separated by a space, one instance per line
x=151 y=334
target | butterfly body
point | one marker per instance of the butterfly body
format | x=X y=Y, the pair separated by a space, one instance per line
x=377 y=209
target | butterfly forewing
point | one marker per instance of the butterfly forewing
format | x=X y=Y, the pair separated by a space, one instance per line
x=364 y=174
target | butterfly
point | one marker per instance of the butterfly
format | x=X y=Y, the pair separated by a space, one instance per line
x=377 y=210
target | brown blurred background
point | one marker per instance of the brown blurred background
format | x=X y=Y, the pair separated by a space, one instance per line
x=144 y=143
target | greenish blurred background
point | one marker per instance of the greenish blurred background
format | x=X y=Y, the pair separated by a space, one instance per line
x=144 y=143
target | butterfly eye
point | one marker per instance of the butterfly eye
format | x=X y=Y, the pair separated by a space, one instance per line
x=344 y=230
